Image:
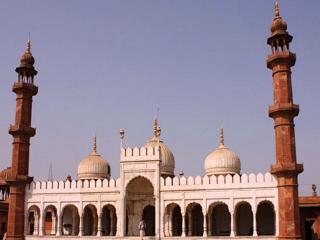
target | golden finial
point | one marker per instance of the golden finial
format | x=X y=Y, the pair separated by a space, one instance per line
x=95 y=144
x=221 y=137
x=276 y=9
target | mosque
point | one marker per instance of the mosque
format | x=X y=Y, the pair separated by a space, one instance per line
x=223 y=203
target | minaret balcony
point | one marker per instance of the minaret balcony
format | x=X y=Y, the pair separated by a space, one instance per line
x=22 y=130
x=281 y=58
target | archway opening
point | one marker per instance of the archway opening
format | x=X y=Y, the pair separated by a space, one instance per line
x=219 y=220
x=50 y=220
x=173 y=220
x=265 y=219
x=33 y=220
x=194 y=220
x=90 y=221
x=109 y=220
x=70 y=220
x=176 y=220
x=148 y=216
x=139 y=196
x=243 y=211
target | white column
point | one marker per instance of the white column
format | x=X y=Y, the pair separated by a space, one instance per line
x=81 y=225
x=232 y=232
x=254 y=222
x=54 y=225
x=41 y=218
x=205 y=234
x=122 y=215
x=183 y=234
x=100 y=224
x=36 y=224
x=157 y=197
x=59 y=224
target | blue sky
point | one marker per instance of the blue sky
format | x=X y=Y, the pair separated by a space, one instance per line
x=105 y=65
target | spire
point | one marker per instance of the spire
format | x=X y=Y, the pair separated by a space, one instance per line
x=221 y=137
x=276 y=9
x=94 y=151
x=28 y=46
x=156 y=129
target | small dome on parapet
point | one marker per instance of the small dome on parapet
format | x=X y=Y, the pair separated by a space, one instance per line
x=94 y=166
x=167 y=158
x=222 y=160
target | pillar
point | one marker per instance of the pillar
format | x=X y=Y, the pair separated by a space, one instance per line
x=205 y=234
x=254 y=213
x=183 y=234
x=100 y=224
x=233 y=230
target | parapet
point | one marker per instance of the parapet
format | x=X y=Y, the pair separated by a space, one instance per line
x=100 y=185
x=140 y=154
x=222 y=181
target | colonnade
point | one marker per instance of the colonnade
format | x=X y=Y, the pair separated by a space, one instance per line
x=219 y=221
x=71 y=222
x=191 y=221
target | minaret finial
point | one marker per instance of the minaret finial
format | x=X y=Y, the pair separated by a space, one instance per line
x=221 y=137
x=276 y=9
x=95 y=144
x=28 y=45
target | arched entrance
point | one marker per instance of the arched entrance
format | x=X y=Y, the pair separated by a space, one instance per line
x=148 y=216
x=219 y=220
x=90 y=220
x=140 y=204
x=50 y=220
x=265 y=218
x=173 y=220
x=33 y=220
x=194 y=220
x=244 y=219
x=70 y=220
x=109 y=220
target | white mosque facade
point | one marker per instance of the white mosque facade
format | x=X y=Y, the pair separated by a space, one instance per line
x=223 y=203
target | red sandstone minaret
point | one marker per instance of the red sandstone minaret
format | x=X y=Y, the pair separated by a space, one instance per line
x=21 y=132
x=283 y=112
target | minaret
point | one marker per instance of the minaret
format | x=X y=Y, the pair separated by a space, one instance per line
x=283 y=112
x=21 y=132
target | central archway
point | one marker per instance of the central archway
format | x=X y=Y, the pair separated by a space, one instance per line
x=140 y=204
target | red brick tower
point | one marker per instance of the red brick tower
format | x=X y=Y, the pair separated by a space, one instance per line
x=283 y=112
x=21 y=132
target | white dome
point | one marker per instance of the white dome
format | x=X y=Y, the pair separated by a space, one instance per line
x=222 y=160
x=167 y=158
x=93 y=167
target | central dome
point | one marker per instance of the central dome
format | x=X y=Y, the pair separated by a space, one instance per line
x=222 y=160
x=167 y=158
x=94 y=166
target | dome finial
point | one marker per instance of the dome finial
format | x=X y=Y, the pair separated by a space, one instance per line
x=28 y=45
x=276 y=9
x=156 y=129
x=95 y=145
x=221 y=137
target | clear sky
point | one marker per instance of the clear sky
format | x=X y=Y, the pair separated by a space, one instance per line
x=105 y=65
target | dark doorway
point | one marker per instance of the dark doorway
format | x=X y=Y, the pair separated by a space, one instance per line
x=149 y=218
